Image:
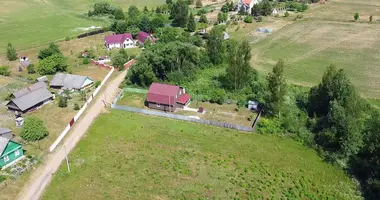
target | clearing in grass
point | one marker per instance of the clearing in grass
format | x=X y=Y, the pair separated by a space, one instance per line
x=127 y=155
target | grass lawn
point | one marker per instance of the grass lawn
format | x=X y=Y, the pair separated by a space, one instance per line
x=133 y=99
x=131 y=156
x=31 y=23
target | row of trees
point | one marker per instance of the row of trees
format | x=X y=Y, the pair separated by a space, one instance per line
x=104 y=8
x=51 y=60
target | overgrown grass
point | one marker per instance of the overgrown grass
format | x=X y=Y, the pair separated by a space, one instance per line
x=131 y=156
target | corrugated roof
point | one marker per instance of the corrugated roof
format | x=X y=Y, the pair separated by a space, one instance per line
x=117 y=39
x=4 y=130
x=162 y=93
x=68 y=81
x=32 y=98
x=3 y=144
x=183 y=99
x=31 y=88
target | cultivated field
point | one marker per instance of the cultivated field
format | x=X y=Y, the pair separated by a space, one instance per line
x=326 y=35
x=31 y=23
x=143 y=157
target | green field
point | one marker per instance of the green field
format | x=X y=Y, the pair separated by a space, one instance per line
x=143 y=157
x=31 y=23
x=327 y=36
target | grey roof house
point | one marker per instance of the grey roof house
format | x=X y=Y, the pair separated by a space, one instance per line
x=10 y=151
x=30 y=98
x=70 y=82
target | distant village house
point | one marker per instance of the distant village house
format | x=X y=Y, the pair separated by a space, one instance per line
x=70 y=82
x=11 y=151
x=143 y=36
x=167 y=98
x=119 y=41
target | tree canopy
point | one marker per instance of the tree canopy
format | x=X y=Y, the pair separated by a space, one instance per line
x=179 y=13
x=51 y=50
x=215 y=46
x=52 y=64
x=33 y=129
x=277 y=89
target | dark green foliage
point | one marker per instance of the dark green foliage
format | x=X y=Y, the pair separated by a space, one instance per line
x=356 y=16
x=86 y=61
x=145 y=25
x=62 y=102
x=203 y=19
x=277 y=89
x=119 y=27
x=218 y=96
x=52 y=64
x=222 y=17
x=179 y=13
x=295 y=6
x=190 y=2
x=118 y=14
x=76 y=106
x=169 y=2
x=198 y=4
x=286 y=14
x=97 y=84
x=104 y=8
x=157 y=22
x=215 y=46
x=168 y=34
x=266 y=8
x=11 y=52
x=4 y=71
x=31 y=69
x=145 y=10
x=51 y=50
x=158 y=10
x=33 y=129
x=239 y=73
x=119 y=59
x=225 y=8
x=257 y=10
x=248 y=19
x=191 y=25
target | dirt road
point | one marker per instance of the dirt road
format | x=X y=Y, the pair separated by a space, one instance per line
x=42 y=176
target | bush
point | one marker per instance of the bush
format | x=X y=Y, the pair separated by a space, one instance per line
x=4 y=71
x=218 y=96
x=270 y=126
x=31 y=69
x=67 y=38
x=86 y=61
x=97 y=84
x=62 y=102
x=33 y=129
x=248 y=19
x=286 y=14
x=76 y=106
x=11 y=52
x=259 y=19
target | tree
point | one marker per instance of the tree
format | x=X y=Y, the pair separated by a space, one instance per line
x=158 y=10
x=11 y=52
x=31 y=69
x=169 y=2
x=145 y=24
x=370 y=18
x=168 y=34
x=239 y=72
x=179 y=13
x=120 y=58
x=51 y=50
x=133 y=14
x=191 y=25
x=266 y=8
x=190 y=2
x=215 y=47
x=198 y=4
x=277 y=89
x=225 y=8
x=203 y=19
x=33 y=129
x=157 y=22
x=248 y=19
x=222 y=17
x=62 y=102
x=145 y=9
x=256 y=10
x=76 y=106
x=83 y=95
x=102 y=8
x=118 y=14
x=356 y=16
x=286 y=14
x=52 y=64
x=119 y=27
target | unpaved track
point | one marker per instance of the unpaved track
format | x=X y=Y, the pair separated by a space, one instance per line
x=43 y=175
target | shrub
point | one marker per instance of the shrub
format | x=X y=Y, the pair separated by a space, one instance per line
x=4 y=71
x=218 y=96
x=270 y=126
x=31 y=69
x=33 y=129
x=248 y=19
x=86 y=61
x=76 y=106
x=286 y=14
x=259 y=19
x=356 y=16
x=11 y=52
x=52 y=64
x=62 y=102
x=97 y=84
x=67 y=38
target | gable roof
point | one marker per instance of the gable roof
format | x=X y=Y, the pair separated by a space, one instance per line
x=117 y=39
x=68 y=81
x=142 y=36
x=247 y=2
x=30 y=99
x=31 y=88
x=5 y=132
x=162 y=93
x=3 y=144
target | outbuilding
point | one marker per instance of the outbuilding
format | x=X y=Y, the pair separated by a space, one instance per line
x=70 y=82
x=167 y=97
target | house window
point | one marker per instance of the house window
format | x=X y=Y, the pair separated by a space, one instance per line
x=6 y=159
x=158 y=105
x=17 y=152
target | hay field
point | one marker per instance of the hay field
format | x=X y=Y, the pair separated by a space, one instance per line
x=30 y=23
x=326 y=36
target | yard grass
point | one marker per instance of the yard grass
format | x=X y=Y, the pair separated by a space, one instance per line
x=323 y=37
x=32 y=23
x=133 y=99
x=131 y=156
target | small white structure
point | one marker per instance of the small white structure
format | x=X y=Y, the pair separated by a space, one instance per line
x=253 y=105
x=19 y=122
x=275 y=12
x=119 y=41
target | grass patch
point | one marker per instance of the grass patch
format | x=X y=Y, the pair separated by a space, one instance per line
x=143 y=157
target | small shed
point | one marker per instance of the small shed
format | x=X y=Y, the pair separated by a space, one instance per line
x=253 y=105
x=275 y=12
x=42 y=79
x=226 y=36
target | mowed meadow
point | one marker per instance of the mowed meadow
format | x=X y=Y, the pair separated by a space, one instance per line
x=31 y=23
x=327 y=35
x=142 y=157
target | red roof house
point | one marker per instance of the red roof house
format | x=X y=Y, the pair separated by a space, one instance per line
x=119 y=41
x=143 y=36
x=167 y=97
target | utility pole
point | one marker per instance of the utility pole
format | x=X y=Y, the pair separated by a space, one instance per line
x=67 y=160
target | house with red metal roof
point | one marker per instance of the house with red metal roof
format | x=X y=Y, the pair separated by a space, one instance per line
x=143 y=36
x=119 y=41
x=247 y=5
x=166 y=97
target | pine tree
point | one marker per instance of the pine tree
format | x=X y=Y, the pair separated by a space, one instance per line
x=277 y=89
x=191 y=25
x=11 y=52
